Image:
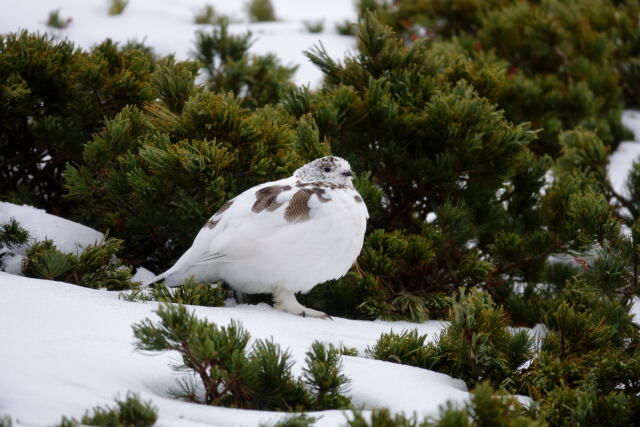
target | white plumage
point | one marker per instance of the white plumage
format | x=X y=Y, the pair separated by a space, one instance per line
x=281 y=237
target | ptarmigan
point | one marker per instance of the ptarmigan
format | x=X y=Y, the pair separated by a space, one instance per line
x=281 y=237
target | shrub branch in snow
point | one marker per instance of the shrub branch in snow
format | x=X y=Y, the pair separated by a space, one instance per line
x=126 y=413
x=231 y=374
x=190 y=292
x=487 y=407
x=477 y=345
x=95 y=267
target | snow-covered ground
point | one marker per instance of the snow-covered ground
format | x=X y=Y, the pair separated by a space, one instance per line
x=66 y=349
x=168 y=27
x=43 y=226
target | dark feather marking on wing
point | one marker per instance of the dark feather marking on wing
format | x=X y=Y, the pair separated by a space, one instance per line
x=298 y=209
x=358 y=198
x=212 y=223
x=266 y=198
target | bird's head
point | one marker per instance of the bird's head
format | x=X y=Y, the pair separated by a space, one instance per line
x=326 y=169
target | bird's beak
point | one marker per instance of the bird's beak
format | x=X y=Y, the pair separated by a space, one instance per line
x=347 y=173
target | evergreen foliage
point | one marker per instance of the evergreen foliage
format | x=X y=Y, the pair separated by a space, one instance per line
x=407 y=348
x=587 y=371
x=260 y=10
x=314 y=26
x=205 y=15
x=230 y=374
x=96 y=267
x=190 y=292
x=13 y=235
x=53 y=97
x=323 y=377
x=256 y=79
x=484 y=409
x=301 y=420
x=56 y=21
x=477 y=346
x=347 y=28
x=126 y=413
x=564 y=59
x=117 y=7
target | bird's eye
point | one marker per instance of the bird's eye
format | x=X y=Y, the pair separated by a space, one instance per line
x=327 y=169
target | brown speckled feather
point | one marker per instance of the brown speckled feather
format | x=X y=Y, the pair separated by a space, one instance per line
x=211 y=223
x=266 y=198
x=298 y=209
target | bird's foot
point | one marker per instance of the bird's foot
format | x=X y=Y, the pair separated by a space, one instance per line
x=310 y=312
x=286 y=301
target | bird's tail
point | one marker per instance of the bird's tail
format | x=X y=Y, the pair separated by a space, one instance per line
x=159 y=278
x=173 y=277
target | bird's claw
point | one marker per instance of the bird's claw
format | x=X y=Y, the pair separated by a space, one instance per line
x=317 y=315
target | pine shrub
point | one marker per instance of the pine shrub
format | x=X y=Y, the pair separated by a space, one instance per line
x=255 y=79
x=205 y=15
x=313 y=27
x=96 y=267
x=407 y=348
x=347 y=28
x=13 y=235
x=477 y=345
x=564 y=60
x=126 y=413
x=260 y=10
x=54 y=97
x=323 y=376
x=190 y=292
x=231 y=374
x=117 y=7
x=485 y=408
x=585 y=406
x=56 y=21
x=301 y=420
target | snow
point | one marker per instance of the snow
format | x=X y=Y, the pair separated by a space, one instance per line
x=635 y=310
x=67 y=235
x=167 y=26
x=70 y=348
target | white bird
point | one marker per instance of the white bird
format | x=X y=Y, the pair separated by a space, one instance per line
x=281 y=237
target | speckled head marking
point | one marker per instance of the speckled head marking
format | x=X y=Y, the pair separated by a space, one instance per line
x=298 y=209
x=330 y=169
x=266 y=198
x=213 y=221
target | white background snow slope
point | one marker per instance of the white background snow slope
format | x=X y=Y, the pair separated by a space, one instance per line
x=168 y=27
